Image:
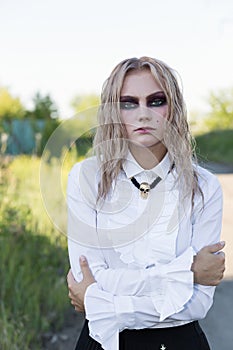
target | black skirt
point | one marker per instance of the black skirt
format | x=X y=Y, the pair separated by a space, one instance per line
x=187 y=337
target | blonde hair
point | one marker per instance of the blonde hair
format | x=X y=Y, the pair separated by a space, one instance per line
x=110 y=142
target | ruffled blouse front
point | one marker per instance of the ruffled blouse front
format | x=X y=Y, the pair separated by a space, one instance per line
x=131 y=247
x=143 y=232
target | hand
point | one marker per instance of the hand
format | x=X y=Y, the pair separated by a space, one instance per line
x=208 y=267
x=77 y=290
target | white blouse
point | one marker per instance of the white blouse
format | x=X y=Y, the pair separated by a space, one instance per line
x=140 y=250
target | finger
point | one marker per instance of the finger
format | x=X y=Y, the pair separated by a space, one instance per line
x=222 y=254
x=86 y=271
x=214 y=248
x=68 y=273
x=71 y=295
x=220 y=259
x=74 y=303
x=223 y=269
x=79 y=309
x=70 y=279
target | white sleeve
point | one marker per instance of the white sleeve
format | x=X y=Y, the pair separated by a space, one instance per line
x=207 y=215
x=134 y=312
x=122 y=281
x=157 y=281
x=140 y=312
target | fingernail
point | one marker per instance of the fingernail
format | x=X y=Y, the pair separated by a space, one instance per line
x=82 y=258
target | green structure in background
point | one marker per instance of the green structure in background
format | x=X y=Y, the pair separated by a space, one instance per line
x=25 y=136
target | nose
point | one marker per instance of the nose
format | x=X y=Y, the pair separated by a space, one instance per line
x=144 y=114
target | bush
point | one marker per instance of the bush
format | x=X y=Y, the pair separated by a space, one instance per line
x=33 y=260
x=33 y=289
x=216 y=146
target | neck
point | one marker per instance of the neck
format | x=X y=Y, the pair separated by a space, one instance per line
x=148 y=157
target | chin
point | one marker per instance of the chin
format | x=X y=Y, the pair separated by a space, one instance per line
x=146 y=141
x=150 y=143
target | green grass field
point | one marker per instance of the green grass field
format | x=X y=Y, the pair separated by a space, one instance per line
x=216 y=146
x=33 y=258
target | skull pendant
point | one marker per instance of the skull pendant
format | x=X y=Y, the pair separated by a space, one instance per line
x=144 y=190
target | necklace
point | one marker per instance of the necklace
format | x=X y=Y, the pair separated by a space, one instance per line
x=144 y=187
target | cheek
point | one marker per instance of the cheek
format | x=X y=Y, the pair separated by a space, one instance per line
x=123 y=117
x=126 y=124
x=160 y=119
x=160 y=114
x=126 y=117
x=128 y=120
x=128 y=129
x=164 y=112
x=160 y=124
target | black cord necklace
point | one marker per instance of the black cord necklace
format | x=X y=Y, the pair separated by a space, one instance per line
x=144 y=187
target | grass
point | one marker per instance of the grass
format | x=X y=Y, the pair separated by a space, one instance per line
x=33 y=289
x=33 y=257
x=216 y=146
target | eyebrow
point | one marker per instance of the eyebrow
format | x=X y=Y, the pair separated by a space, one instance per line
x=156 y=94
x=128 y=98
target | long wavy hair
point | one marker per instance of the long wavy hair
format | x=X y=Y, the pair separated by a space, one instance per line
x=110 y=141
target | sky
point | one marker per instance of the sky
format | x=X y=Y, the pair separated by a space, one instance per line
x=69 y=47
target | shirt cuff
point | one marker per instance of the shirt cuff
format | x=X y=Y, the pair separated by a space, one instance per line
x=124 y=312
x=107 y=315
x=176 y=286
x=100 y=312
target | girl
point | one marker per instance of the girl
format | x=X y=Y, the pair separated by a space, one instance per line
x=139 y=212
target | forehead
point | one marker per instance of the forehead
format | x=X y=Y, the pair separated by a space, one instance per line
x=140 y=83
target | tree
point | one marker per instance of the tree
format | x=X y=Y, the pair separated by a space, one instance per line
x=44 y=108
x=85 y=121
x=10 y=107
x=221 y=113
x=85 y=108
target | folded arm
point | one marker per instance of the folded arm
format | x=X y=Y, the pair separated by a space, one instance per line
x=127 y=295
x=207 y=268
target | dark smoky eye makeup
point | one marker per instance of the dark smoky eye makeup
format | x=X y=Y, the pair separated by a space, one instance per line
x=128 y=102
x=157 y=99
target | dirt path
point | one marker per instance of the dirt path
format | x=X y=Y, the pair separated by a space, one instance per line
x=218 y=323
x=66 y=338
x=226 y=181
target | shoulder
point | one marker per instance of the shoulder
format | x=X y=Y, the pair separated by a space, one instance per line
x=84 y=166
x=205 y=177
x=208 y=182
x=84 y=173
x=83 y=180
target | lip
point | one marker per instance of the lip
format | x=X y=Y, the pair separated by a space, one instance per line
x=144 y=129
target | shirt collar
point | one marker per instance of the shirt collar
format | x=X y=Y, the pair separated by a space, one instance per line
x=132 y=168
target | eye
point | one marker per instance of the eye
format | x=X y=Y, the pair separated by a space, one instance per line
x=128 y=105
x=157 y=102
